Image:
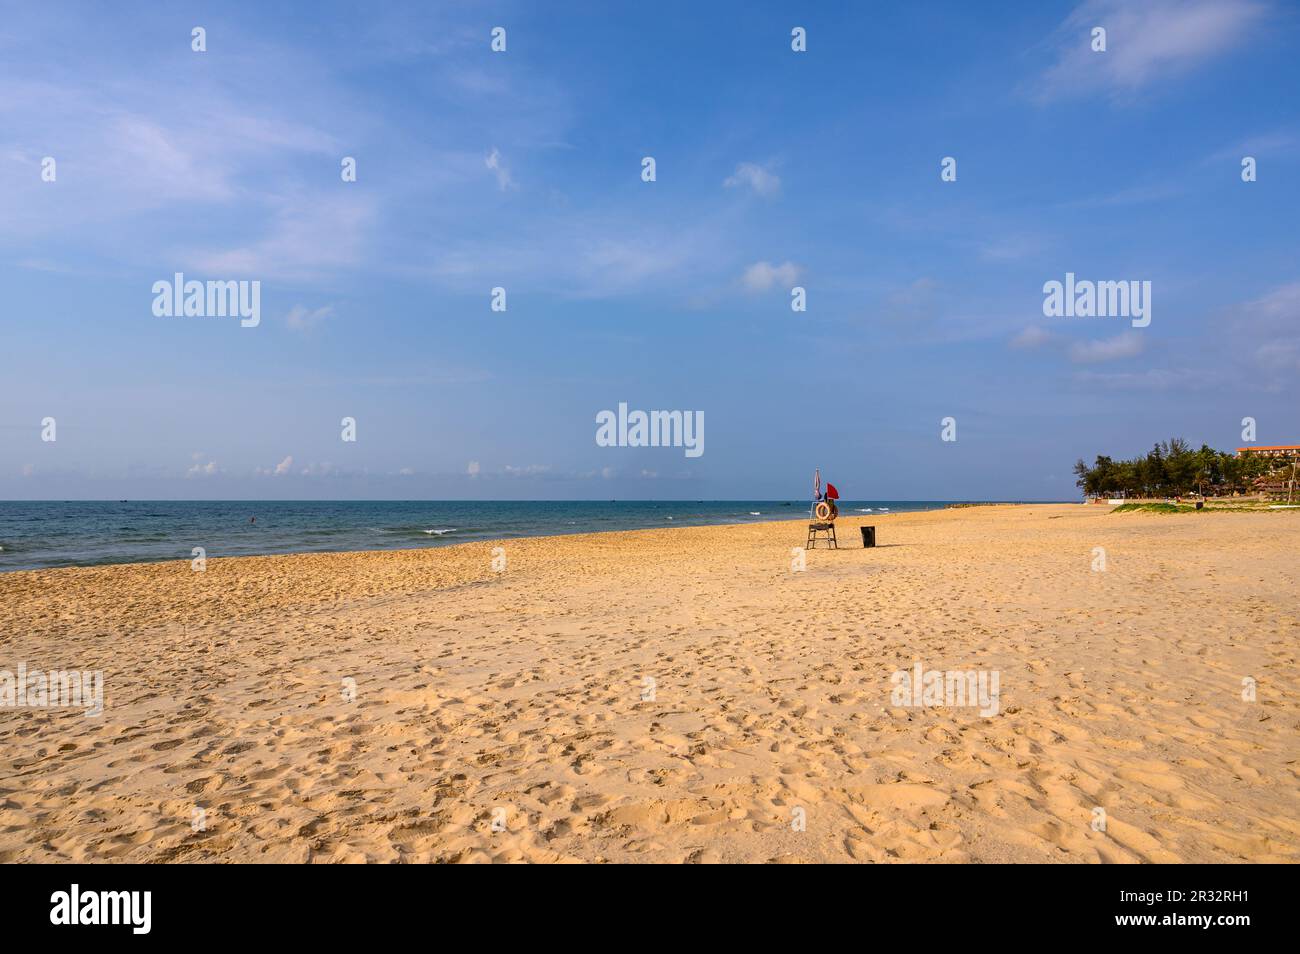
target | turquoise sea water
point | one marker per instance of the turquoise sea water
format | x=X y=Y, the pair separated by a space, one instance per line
x=80 y=533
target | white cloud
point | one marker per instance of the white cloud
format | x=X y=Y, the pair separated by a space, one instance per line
x=473 y=468
x=321 y=470
x=763 y=275
x=1032 y=337
x=151 y=143
x=583 y=254
x=1145 y=42
x=203 y=470
x=1280 y=143
x=1133 y=195
x=246 y=185
x=624 y=263
x=1152 y=379
x=1011 y=248
x=1127 y=345
x=917 y=302
x=1279 y=355
x=286 y=469
x=1270 y=328
x=756 y=177
x=301 y=318
x=494 y=163
x=309 y=238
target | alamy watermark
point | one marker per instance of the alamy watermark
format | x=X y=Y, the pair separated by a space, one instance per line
x=212 y=299
x=130 y=908
x=1089 y=299
x=918 y=688
x=651 y=429
x=56 y=689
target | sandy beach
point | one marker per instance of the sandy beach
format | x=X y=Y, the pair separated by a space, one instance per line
x=676 y=695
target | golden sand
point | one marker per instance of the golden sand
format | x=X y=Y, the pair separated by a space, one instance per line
x=516 y=698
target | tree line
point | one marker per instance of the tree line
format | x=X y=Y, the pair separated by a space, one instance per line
x=1173 y=469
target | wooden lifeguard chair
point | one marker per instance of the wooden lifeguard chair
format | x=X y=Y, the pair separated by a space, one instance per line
x=815 y=529
x=821 y=517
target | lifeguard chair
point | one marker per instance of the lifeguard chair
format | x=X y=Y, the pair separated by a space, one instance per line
x=821 y=518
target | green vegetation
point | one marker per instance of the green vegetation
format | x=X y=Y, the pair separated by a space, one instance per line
x=1174 y=469
x=1153 y=508
x=1191 y=508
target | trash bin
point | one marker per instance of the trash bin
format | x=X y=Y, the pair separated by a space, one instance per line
x=868 y=536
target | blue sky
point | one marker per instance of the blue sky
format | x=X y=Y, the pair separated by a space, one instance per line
x=522 y=170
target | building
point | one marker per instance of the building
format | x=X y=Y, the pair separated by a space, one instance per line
x=1279 y=485
x=1281 y=452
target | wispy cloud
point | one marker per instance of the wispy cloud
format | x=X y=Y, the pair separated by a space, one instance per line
x=1128 y=345
x=1145 y=42
x=279 y=470
x=148 y=141
x=1031 y=338
x=1268 y=328
x=583 y=255
x=308 y=239
x=1278 y=143
x=762 y=276
x=1165 y=191
x=301 y=318
x=751 y=175
x=915 y=302
x=530 y=470
x=200 y=468
x=498 y=168
x=1152 y=379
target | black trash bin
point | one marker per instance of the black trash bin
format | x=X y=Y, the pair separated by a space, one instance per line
x=868 y=536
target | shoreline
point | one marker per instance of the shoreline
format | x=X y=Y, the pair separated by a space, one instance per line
x=845 y=519
x=801 y=522
x=434 y=540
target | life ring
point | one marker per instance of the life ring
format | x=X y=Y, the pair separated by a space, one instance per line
x=826 y=511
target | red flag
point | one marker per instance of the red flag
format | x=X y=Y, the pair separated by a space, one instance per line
x=831 y=492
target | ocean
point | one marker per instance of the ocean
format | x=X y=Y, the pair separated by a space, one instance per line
x=35 y=535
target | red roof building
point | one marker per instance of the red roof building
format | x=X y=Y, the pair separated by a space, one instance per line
x=1283 y=451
